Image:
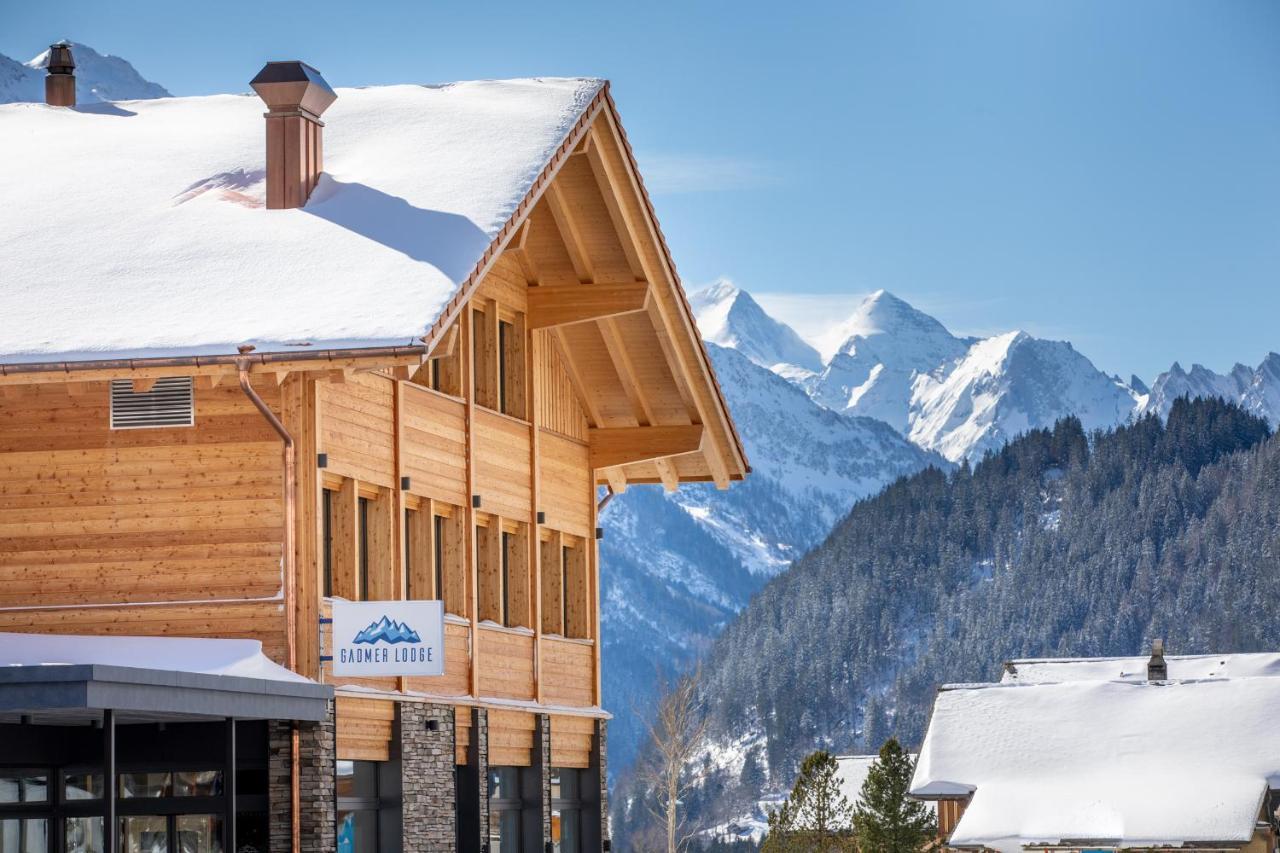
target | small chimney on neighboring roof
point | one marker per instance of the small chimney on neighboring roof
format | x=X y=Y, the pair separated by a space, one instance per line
x=60 y=82
x=296 y=96
x=1157 y=669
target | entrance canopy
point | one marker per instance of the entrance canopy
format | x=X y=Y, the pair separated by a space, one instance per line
x=59 y=679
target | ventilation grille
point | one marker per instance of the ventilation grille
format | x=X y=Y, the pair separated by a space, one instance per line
x=169 y=403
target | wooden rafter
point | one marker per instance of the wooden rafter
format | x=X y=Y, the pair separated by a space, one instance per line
x=570 y=233
x=626 y=371
x=627 y=445
x=667 y=474
x=621 y=222
x=562 y=304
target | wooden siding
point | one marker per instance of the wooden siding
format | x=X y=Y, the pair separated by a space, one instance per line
x=365 y=727
x=506 y=671
x=95 y=516
x=434 y=445
x=258 y=620
x=571 y=739
x=357 y=428
x=558 y=406
x=566 y=672
x=565 y=492
x=510 y=738
x=502 y=464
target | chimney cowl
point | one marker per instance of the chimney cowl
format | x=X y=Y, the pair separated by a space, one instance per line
x=293 y=87
x=60 y=59
x=1157 y=667
x=60 y=81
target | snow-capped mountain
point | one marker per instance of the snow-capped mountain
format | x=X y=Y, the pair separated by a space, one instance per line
x=679 y=566
x=729 y=317
x=1005 y=386
x=1257 y=390
x=886 y=344
x=98 y=78
x=959 y=397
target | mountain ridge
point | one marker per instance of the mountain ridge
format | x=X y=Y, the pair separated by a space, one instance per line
x=99 y=78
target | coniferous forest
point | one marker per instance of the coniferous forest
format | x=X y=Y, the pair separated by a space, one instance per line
x=1060 y=544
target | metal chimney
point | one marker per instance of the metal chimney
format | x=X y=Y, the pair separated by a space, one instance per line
x=60 y=82
x=296 y=96
x=1157 y=669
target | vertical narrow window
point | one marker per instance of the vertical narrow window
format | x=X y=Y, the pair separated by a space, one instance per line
x=362 y=520
x=326 y=546
x=405 y=533
x=564 y=589
x=437 y=558
x=506 y=578
x=504 y=336
x=435 y=375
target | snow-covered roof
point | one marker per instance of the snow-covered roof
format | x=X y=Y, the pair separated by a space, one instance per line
x=1114 y=763
x=1181 y=668
x=201 y=656
x=137 y=229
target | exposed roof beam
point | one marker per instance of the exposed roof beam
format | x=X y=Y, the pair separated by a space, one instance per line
x=573 y=240
x=561 y=304
x=667 y=474
x=626 y=371
x=617 y=479
x=626 y=445
x=621 y=222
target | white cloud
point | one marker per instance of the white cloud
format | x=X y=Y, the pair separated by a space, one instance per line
x=668 y=174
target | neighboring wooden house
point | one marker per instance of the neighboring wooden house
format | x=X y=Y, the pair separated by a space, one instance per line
x=1108 y=754
x=400 y=361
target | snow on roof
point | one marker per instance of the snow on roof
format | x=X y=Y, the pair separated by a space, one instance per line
x=243 y=658
x=138 y=229
x=1118 y=763
x=1181 y=668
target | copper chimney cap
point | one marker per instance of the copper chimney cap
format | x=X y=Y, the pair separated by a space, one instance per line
x=60 y=59
x=293 y=87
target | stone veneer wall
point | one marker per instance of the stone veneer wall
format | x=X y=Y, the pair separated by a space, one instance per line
x=473 y=787
x=427 y=767
x=279 y=793
x=535 y=787
x=317 y=777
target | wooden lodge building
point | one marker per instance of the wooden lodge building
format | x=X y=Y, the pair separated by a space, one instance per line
x=402 y=351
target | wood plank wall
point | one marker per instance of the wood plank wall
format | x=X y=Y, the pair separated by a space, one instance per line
x=168 y=521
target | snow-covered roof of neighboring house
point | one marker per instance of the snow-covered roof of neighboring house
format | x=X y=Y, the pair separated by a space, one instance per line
x=200 y=656
x=852 y=772
x=1105 y=763
x=1181 y=668
x=138 y=229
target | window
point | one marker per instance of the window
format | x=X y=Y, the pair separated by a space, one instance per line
x=437 y=556
x=566 y=606
x=410 y=519
x=505 y=804
x=326 y=543
x=24 y=835
x=506 y=577
x=504 y=336
x=368 y=806
x=362 y=538
x=502 y=558
x=566 y=809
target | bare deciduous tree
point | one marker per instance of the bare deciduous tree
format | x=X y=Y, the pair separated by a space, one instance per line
x=675 y=732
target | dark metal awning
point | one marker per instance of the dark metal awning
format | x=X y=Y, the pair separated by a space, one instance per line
x=74 y=694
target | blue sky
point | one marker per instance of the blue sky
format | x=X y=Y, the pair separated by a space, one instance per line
x=1102 y=172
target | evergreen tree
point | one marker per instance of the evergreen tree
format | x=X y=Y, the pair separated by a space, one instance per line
x=816 y=818
x=886 y=820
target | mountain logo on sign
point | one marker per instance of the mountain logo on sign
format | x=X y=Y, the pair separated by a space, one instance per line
x=387 y=631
